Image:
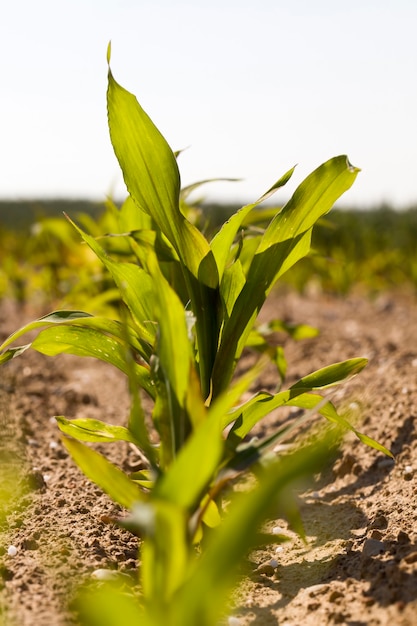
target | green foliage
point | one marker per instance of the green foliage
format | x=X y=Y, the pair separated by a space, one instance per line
x=48 y=263
x=45 y=262
x=184 y=586
x=189 y=309
x=371 y=250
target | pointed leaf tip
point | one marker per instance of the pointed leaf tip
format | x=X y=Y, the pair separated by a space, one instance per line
x=352 y=168
x=108 y=52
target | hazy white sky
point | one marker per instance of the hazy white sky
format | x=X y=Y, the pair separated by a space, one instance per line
x=252 y=87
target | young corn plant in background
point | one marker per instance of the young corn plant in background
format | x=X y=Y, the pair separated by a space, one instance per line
x=190 y=307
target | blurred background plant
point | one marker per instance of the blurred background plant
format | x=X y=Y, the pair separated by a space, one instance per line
x=43 y=261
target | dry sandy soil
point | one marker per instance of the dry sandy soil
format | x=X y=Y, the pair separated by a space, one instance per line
x=359 y=566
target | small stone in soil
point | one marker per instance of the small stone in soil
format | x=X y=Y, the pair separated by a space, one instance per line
x=109 y=575
x=30 y=544
x=373 y=547
x=379 y=522
x=402 y=537
x=408 y=472
x=265 y=568
x=316 y=590
x=104 y=574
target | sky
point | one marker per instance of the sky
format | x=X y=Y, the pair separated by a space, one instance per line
x=247 y=88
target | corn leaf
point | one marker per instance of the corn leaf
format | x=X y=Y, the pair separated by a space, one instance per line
x=105 y=606
x=192 y=471
x=215 y=571
x=330 y=375
x=131 y=218
x=189 y=189
x=76 y=332
x=232 y=284
x=152 y=178
x=12 y=353
x=164 y=553
x=295 y=331
x=151 y=175
x=368 y=441
x=174 y=349
x=194 y=468
x=57 y=317
x=261 y=404
x=79 y=319
x=255 y=409
x=311 y=200
x=106 y=475
x=222 y=241
x=86 y=429
x=285 y=241
x=135 y=285
x=89 y=342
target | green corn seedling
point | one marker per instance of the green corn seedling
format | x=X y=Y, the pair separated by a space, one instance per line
x=190 y=307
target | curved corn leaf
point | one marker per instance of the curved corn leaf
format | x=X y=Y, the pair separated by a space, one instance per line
x=151 y=175
x=222 y=241
x=76 y=332
x=56 y=317
x=311 y=200
x=86 y=429
x=263 y=403
x=244 y=455
x=104 y=474
x=135 y=285
x=368 y=441
x=90 y=342
x=285 y=241
x=12 y=353
x=152 y=178
x=249 y=414
x=330 y=375
x=186 y=191
x=82 y=342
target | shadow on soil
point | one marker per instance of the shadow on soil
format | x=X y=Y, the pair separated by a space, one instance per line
x=336 y=553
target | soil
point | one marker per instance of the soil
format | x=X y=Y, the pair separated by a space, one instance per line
x=359 y=565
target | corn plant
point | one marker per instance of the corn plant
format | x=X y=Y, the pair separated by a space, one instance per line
x=190 y=307
x=183 y=585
